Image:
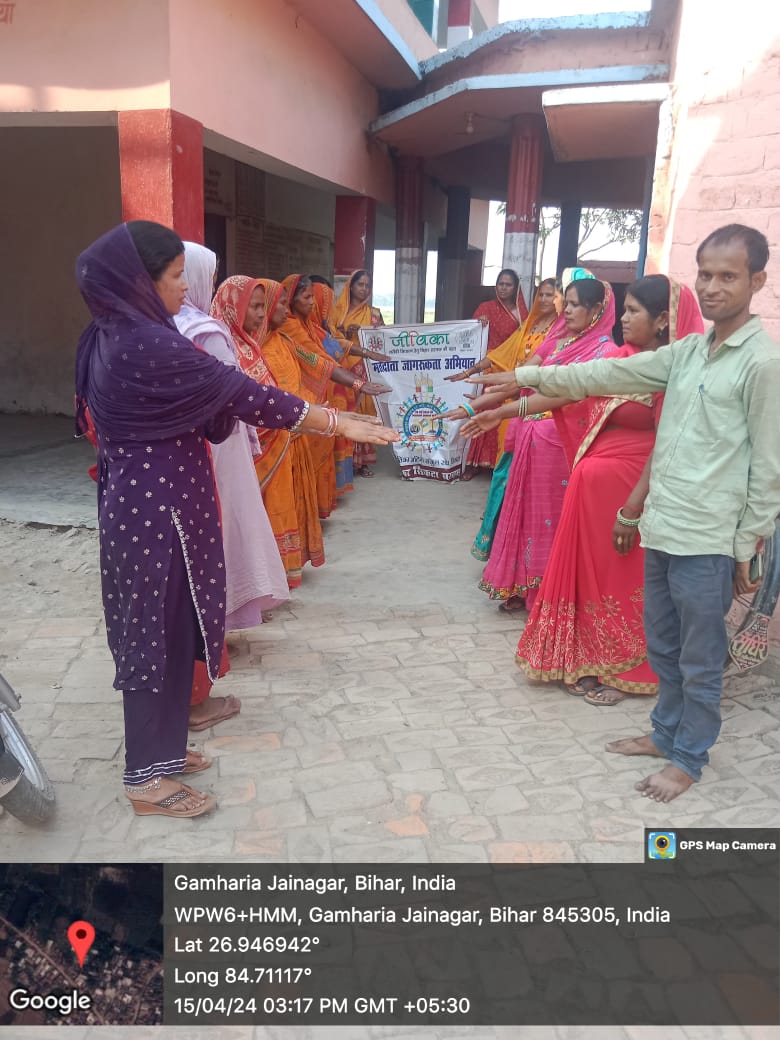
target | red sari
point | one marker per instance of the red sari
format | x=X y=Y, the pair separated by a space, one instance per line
x=502 y=323
x=587 y=617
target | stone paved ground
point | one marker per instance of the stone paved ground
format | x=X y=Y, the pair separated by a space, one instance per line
x=384 y=719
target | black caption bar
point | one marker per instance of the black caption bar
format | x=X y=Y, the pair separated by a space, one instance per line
x=689 y=937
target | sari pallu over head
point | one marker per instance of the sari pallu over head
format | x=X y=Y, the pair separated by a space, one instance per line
x=229 y=307
x=521 y=345
x=324 y=301
x=315 y=364
x=344 y=314
x=140 y=376
x=580 y=423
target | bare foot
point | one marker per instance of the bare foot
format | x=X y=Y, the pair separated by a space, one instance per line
x=666 y=785
x=634 y=746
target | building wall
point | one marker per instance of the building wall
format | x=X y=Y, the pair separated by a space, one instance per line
x=718 y=159
x=261 y=75
x=85 y=56
x=54 y=208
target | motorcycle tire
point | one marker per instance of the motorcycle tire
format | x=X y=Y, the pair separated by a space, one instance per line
x=31 y=799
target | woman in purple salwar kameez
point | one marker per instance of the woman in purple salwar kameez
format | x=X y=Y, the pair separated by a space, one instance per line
x=155 y=400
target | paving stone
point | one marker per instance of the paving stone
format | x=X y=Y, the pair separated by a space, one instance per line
x=501 y=801
x=458 y=757
x=528 y=828
x=411 y=760
x=399 y=850
x=531 y=852
x=309 y=844
x=348 y=797
x=475 y=778
x=424 y=780
x=447 y=804
x=414 y=741
x=280 y=815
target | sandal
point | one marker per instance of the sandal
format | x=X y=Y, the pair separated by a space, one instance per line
x=584 y=686
x=230 y=707
x=605 y=697
x=512 y=605
x=168 y=806
x=196 y=762
x=364 y=471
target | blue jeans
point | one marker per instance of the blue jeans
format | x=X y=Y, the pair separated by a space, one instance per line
x=686 y=599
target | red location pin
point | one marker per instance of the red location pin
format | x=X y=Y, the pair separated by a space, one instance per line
x=81 y=935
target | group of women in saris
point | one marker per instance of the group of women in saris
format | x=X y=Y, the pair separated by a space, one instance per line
x=207 y=491
x=560 y=531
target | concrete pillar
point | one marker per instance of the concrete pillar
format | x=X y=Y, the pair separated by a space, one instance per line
x=569 y=235
x=161 y=169
x=409 y=240
x=353 y=247
x=521 y=229
x=453 y=250
x=458 y=22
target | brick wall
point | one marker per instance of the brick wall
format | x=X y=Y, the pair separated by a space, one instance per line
x=718 y=158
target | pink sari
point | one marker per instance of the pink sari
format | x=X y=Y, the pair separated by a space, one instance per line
x=587 y=618
x=539 y=472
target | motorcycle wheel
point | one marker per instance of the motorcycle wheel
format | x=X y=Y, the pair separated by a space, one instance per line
x=31 y=799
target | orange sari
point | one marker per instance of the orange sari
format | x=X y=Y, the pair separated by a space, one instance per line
x=342 y=397
x=316 y=369
x=364 y=315
x=274 y=463
x=291 y=497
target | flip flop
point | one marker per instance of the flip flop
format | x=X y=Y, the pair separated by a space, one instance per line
x=197 y=762
x=231 y=708
x=513 y=605
x=167 y=807
x=595 y=697
x=583 y=687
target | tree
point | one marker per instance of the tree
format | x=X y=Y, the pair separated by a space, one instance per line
x=619 y=227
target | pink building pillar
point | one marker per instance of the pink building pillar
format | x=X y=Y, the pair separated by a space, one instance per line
x=458 y=22
x=409 y=240
x=161 y=169
x=521 y=229
x=353 y=247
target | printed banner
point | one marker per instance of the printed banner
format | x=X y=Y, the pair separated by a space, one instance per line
x=421 y=356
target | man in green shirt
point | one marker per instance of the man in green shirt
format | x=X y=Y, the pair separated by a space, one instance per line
x=714 y=492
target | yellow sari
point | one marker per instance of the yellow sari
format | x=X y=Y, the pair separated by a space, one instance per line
x=364 y=316
x=516 y=350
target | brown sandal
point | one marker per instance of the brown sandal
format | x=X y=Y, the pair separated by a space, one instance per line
x=197 y=762
x=167 y=806
x=231 y=706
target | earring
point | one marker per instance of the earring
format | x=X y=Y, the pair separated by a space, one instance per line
x=662 y=331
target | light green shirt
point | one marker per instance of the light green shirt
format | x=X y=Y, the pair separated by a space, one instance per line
x=715 y=476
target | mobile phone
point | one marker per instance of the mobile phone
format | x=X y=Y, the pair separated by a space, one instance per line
x=756 y=571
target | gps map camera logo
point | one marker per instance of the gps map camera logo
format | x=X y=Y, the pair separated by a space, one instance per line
x=662 y=845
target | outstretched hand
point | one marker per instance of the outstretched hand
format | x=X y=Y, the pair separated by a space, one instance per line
x=363 y=432
x=456 y=377
x=494 y=379
x=375 y=389
x=480 y=423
